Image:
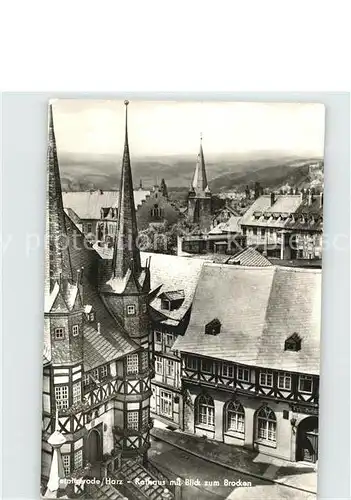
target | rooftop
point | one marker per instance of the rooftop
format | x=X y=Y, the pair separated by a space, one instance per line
x=249 y=257
x=264 y=213
x=259 y=308
x=88 y=204
x=170 y=273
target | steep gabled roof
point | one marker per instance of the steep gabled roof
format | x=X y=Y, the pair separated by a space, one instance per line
x=88 y=204
x=258 y=309
x=112 y=338
x=249 y=257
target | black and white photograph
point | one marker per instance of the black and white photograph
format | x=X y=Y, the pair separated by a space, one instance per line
x=182 y=314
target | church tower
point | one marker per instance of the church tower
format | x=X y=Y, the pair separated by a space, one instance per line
x=200 y=197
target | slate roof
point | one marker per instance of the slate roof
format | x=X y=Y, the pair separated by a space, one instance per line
x=231 y=226
x=88 y=204
x=169 y=273
x=112 y=342
x=249 y=257
x=262 y=214
x=259 y=308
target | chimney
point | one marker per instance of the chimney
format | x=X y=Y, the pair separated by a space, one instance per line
x=321 y=199
x=310 y=197
x=272 y=198
x=99 y=327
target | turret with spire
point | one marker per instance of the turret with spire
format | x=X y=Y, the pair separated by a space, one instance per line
x=200 y=197
x=63 y=300
x=126 y=290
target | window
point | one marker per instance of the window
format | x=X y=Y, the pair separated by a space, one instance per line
x=145 y=418
x=66 y=464
x=191 y=363
x=133 y=420
x=170 y=368
x=61 y=396
x=254 y=231
x=75 y=330
x=206 y=365
x=169 y=340
x=144 y=308
x=158 y=337
x=228 y=371
x=205 y=411
x=103 y=371
x=132 y=363
x=166 y=403
x=89 y=228
x=59 y=333
x=284 y=381
x=96 y=374
x=266 y=378
x=77 y=393
x=266 y=425
x=156 y=212
x=158 y=365
x=244 y=231
x=131 y=310
x=243 y=374
x=86 y=379
x=305 y=383
x=144 y=360
x=263 y=232
x=78 y=459
x=166 y=304
x=235 y=417
x=92 y=316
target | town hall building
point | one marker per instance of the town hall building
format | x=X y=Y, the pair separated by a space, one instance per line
x=97 y=357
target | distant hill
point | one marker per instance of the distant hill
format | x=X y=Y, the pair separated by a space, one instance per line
x=82 y=172
x=297 y=174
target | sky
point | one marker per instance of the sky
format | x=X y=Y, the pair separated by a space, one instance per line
x=170 y=128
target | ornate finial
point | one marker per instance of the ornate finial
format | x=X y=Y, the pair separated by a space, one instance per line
x=126 y=102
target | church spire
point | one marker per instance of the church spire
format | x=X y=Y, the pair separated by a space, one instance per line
x=126 y=255
x=199 y=181
x=58 y=263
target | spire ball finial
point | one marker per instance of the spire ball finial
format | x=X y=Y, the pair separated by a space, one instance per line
x=126 y=102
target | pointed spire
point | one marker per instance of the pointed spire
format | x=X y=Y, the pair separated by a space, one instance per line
x=125 y=248
x=199 y=181
x=57 y=258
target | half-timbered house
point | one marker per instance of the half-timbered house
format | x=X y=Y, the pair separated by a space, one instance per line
x=97 y=366
x=250 y=359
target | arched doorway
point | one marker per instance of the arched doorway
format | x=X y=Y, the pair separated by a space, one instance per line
x=307 y=440
x=94 y=447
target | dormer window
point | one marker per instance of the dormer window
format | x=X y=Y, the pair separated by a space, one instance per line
x=213 y=327
x=59 y=333
x=90 y=314
x=172 y=300
x=293 y=343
